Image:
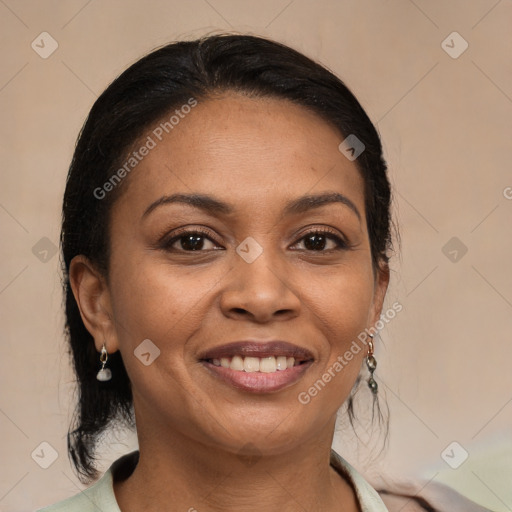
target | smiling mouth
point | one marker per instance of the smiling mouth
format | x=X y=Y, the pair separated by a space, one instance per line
x=270 y=364
x=257 y=366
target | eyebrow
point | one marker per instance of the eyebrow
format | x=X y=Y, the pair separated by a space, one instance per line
x=215 y=207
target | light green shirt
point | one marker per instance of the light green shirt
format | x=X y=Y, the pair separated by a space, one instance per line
x=100 y=496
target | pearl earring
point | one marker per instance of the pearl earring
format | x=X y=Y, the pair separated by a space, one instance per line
x=104 y=374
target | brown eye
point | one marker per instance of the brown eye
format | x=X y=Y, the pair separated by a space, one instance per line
x=188 y=241
x=322 y=241
x=192 y=242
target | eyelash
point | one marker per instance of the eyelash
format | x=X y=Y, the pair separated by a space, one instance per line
x=340 y=243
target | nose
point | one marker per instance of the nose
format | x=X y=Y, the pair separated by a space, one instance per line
x=260 y=291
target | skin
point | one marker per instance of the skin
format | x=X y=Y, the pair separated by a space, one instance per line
x=195 y=430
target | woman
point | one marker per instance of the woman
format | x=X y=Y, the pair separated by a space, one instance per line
x=226 y=230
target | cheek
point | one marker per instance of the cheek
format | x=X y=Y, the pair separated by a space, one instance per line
x=342 y=301
x=342 y=312
x=150 y=303
x=154 y=300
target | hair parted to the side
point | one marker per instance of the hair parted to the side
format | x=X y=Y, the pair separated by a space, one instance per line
x=141 y=96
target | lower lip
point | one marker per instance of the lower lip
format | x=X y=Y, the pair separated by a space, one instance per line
x=258 y=382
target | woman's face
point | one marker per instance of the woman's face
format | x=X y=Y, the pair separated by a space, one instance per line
x=267 y=265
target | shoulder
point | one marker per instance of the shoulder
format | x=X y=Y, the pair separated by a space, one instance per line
x=427 y=495
x=99 y=496
x=369 y=499
x=402 y=496
x=78 y=503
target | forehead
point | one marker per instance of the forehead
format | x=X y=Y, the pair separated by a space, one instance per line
x=247 y=150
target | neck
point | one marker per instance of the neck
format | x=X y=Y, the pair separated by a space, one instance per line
x=182 y=474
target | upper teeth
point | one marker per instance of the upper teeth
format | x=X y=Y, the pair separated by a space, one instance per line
x=256 y=364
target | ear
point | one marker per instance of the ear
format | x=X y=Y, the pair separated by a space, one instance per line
x=379 y=292
x=93 y=298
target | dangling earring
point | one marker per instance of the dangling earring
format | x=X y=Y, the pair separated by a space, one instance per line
x=371 y=364
x=104 y=374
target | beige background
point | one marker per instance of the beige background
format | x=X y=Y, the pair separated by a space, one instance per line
x=444 y=364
